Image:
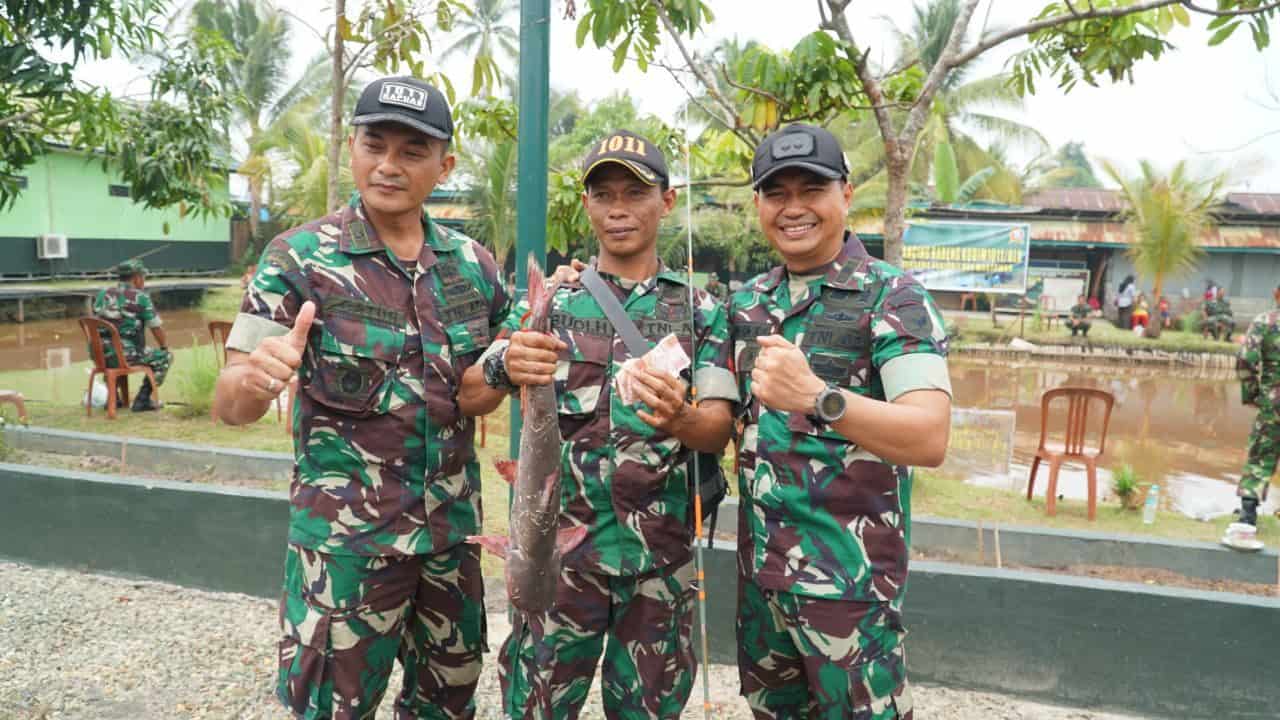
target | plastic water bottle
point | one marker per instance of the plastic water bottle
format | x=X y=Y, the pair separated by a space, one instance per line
x=1149 y=507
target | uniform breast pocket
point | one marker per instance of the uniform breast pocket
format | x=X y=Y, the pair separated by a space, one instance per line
x=353 y=365
x=581 y=381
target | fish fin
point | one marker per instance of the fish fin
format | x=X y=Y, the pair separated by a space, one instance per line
x=570 y=538
x=537 y=283
x=507 y=469
x=496 y=544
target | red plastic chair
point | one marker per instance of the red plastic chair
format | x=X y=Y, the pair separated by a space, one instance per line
x=115 y=376
x=1079 y=401
x=219 y=331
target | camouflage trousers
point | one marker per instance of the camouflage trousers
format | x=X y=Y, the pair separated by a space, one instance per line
x=1264 y=450
x=808 y=658
x=644 y=626
x=345 y=619
x=1219 y=326
x=158 y=359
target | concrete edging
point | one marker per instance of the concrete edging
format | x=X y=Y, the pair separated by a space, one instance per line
x=159 y=455
x=1041 y=547
x=1164 y=652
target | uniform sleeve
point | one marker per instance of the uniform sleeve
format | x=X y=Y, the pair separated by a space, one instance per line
x=711 y=374
x=908 y=340
x=1249 y=363
x=272 y=298
x=147 y=311
x=505 y=328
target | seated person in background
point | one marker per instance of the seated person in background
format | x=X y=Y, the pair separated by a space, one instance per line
x=1218 y=318
x=1095 y=306
x=1166 y=314
x=1079 y=320
x=128 y=306
x=1141 y=313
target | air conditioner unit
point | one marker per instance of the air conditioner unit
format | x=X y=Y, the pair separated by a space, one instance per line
x=58 y=358
x=51 y=247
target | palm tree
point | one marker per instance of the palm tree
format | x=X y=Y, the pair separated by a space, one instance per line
x=1167 y=215
x=259 y=34
x=961 y=108
x=300 y=140
x=492 y=166
x=489 y=40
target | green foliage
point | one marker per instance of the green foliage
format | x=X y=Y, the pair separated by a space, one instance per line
x=633 y=26
x=493 y=165
x=197 y=382
x=167 y=146
x=1126 y=485
x=1168 y=214
x=489 y=41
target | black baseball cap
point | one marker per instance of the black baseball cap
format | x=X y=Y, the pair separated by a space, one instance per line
x=799 y=146
x=408 y=101
x=634 y=152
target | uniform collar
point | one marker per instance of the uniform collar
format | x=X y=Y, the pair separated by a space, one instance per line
x=844 y=273
x=358 y=237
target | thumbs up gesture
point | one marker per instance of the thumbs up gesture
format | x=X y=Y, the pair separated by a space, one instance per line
x=276 y=359
x=782 y=379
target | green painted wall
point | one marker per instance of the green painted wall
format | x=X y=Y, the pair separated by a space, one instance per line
x=67 y=193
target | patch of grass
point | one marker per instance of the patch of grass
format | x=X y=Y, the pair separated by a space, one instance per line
x=943 y=496
x=1103 y=334
x=223 y=302
x=196 y=385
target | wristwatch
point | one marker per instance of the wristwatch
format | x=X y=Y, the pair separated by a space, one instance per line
x=495 y=372
x=829 y=406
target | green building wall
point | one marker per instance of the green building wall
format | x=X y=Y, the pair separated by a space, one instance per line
x=68 y=193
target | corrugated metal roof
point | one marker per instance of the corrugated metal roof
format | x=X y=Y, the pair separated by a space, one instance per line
x=1103 y=200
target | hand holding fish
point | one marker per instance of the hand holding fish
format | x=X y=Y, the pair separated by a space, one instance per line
x=531 y=358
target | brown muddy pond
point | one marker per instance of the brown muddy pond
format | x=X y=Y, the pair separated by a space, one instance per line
x=1187 y=434
x=55 y=344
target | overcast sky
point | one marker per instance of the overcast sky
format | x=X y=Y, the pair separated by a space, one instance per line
x=1196 y=103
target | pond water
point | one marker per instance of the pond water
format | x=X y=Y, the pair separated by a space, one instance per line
x=54 y=344
x=1188 y=434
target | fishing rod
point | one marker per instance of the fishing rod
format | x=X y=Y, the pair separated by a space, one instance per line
x=699 y=564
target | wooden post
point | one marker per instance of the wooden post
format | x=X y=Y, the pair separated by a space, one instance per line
x=22 y=316
x=995 y=536
x=982 y=550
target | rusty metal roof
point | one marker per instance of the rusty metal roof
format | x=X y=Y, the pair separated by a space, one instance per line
x=1101 y=200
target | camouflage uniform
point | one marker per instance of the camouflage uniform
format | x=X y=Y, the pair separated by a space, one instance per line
x=386 y=484
x=717 y=289
x=132 y=312
x=824 y=524
x=1218 y=318
x=1080 y=320
x=1259 y=369
x=628 y=585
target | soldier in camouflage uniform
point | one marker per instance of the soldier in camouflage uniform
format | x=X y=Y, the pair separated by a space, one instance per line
x=626 y=590
x=380 y=311
x=1259 y=369
x=717 y=289
x=841 y=366
x=1079 y=320
x=128 y=307
x=1219 y=321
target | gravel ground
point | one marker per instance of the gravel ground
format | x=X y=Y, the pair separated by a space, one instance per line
x=80 y=646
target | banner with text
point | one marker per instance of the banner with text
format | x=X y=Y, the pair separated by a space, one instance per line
x=968 y=256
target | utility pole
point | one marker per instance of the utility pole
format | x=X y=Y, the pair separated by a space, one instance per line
x=531 y=186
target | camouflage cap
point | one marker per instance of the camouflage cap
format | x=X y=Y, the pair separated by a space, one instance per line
x=129 y=268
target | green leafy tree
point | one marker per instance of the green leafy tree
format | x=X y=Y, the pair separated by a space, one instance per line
x=1069 y=167
x=258 y=78
x=490 y=41
x=169 y=146
x=1166 y=214
x=1068 y=41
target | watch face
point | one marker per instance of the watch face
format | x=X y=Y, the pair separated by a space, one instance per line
x=831 y=404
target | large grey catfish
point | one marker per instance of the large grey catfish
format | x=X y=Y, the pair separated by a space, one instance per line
x=536 y=542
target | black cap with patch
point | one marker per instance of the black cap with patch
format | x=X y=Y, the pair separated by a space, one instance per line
x=631 y=151
x=799 y=146
x=408 y=101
